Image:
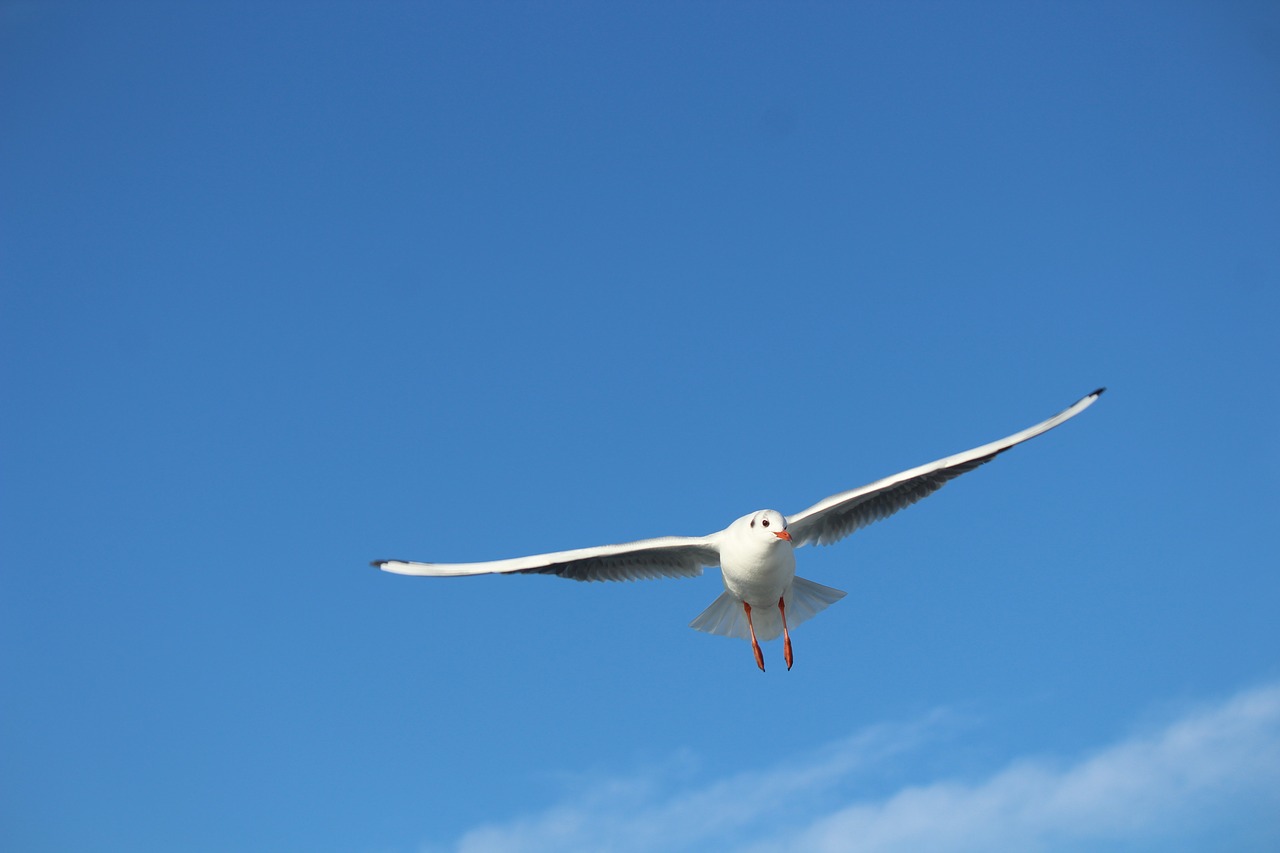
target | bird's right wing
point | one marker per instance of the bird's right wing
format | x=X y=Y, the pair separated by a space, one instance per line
x=839 y=515
x=669 y=556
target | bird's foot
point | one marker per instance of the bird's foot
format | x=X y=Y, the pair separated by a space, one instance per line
x=786 y=635
x=755 y=646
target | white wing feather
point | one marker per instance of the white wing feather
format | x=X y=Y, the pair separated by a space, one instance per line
x=669 y=556
x=838 y=516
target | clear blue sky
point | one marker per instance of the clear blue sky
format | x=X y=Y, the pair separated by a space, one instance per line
x=287 y=287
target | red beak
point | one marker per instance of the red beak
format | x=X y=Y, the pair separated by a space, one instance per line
x=782 y=534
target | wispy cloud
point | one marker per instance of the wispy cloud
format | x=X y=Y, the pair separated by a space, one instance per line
x=1208 y=780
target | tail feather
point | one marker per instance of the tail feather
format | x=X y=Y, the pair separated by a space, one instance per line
x=726 y=617
x=808 y=599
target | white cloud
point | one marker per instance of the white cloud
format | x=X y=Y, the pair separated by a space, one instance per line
x=1209 y=780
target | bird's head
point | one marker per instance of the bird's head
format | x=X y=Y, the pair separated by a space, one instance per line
x=769 y=524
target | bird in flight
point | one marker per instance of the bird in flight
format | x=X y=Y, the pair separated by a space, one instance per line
x=762 y=596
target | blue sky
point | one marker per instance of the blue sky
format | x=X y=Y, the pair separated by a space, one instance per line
x=288 y=287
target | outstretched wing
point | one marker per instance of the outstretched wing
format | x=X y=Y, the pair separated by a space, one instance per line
x=839 y=515
x=669 y=556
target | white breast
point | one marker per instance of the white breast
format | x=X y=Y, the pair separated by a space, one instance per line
x=757 y=567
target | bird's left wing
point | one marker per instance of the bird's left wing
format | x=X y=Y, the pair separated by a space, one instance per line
x=839 y=515
x=669 y=556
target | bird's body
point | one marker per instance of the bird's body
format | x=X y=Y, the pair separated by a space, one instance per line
x=763 y=598
x=757 y=569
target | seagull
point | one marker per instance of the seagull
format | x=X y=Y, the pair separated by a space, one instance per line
x=756 y=554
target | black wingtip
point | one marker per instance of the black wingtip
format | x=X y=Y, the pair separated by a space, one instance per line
x=1098 y=393
x=377 y=564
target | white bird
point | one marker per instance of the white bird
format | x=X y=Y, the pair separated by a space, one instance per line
x=756 y=553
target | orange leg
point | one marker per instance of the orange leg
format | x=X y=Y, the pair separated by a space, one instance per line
x=755 y=647
x=786 y=647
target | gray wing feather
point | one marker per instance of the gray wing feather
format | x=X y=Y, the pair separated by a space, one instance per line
x=840 y=515
x=647 y=564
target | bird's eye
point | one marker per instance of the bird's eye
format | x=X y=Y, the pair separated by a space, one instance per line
x=765 y=522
